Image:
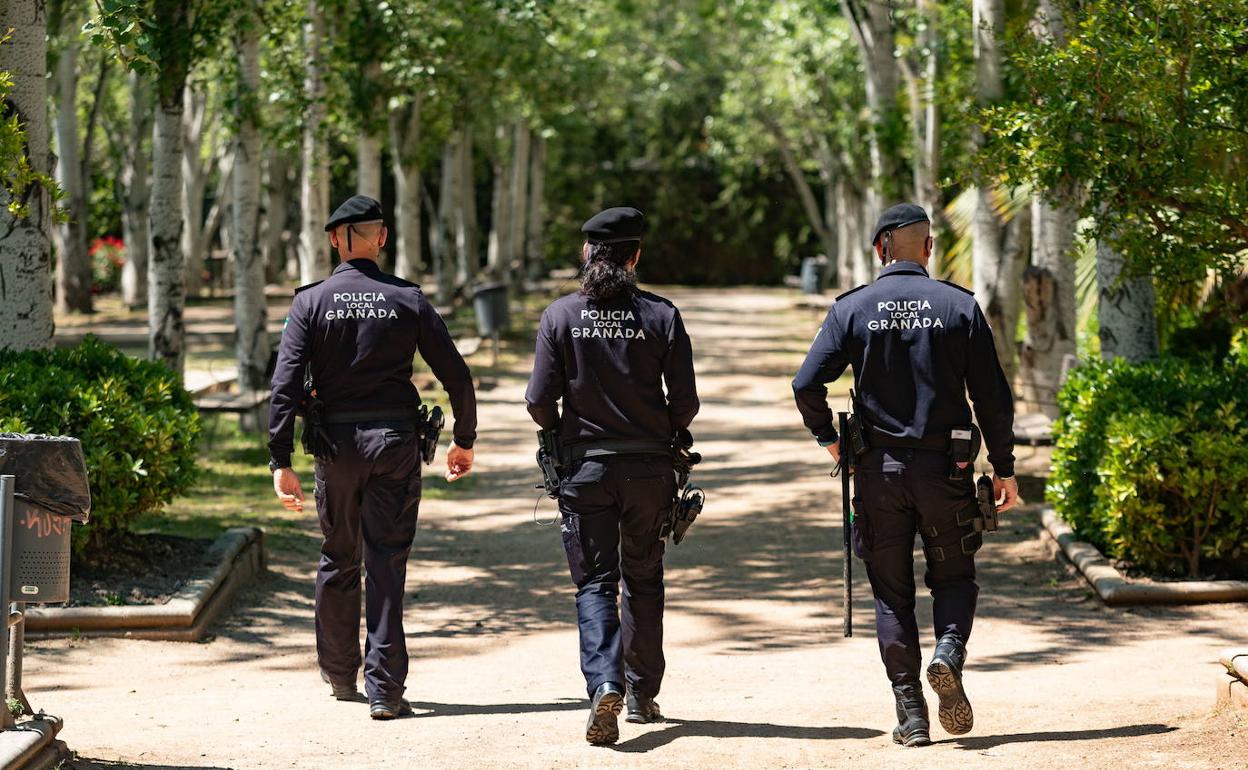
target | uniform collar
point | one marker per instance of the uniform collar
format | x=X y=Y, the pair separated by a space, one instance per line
x=904 y=268
x=360 y=264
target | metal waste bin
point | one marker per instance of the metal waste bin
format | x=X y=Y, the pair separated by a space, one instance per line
x=49 y=492
x=813 y=270
x=489 y=302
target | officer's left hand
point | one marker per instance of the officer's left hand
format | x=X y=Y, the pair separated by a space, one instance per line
x=458 y=462
x=286 y=485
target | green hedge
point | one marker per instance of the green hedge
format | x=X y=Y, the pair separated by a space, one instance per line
x=1151 y=462
x=138 y=426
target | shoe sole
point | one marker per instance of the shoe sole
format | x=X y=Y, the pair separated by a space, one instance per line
x=918 y=738
x=603 y=728
x=642 y=719
x=388 y=714
x=955 y=709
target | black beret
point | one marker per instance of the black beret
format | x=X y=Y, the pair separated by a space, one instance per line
x=615 y=225
x=898 y=216
x=357 y=208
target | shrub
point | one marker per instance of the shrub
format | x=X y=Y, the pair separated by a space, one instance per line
x=1151 y=461
x=138 y=426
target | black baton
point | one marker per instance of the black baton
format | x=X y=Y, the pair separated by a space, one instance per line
x=847 y=569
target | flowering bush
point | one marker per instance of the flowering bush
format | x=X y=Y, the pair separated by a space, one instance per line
x=108 y=254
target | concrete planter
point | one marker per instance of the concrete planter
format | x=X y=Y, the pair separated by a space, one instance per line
x=1114 y=588
x=1233 y=687
x=238 y=555
x=32 y=745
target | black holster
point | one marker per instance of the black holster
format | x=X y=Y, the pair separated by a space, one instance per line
x=316 y=439
x=689 y=500
x=430 y=424
x=550 y=460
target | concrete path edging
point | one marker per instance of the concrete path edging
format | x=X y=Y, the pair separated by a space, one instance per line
x=31 y=744
x=1116 y=591
x=239 y=556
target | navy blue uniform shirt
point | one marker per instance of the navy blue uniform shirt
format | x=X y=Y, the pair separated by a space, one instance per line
x=608 y=361
x=918 y=348
x=360 y=330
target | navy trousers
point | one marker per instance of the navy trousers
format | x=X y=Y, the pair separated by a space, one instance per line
x=613 y=511
x=899 y=492
x=367 y=501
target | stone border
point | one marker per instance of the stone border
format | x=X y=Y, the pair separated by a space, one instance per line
x=1233 y=688
x=239 y=556
x=32 y=744
x=1116 y=591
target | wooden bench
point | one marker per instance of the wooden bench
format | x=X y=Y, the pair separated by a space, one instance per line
x=251 y=406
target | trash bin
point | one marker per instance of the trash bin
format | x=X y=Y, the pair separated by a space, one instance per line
x=489 y=302
x=50 y=492
x=813 y=270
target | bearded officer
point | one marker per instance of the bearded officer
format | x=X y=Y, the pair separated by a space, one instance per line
x=606 y=352
x=918 y=347
x=356 y=334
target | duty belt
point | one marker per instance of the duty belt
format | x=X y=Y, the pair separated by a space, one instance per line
x=934 y=443
x=609 y=447
x=397 y=414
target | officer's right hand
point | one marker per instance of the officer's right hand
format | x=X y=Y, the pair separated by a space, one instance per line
x=1008 y=488
x=286 y=485
x=458 y=462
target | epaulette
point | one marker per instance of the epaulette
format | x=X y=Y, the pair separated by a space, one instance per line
x=307 y=286
x=956 y=286
x=851 y=291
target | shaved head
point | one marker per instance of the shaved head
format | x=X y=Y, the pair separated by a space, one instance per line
x=909 y=243
x=366 y=239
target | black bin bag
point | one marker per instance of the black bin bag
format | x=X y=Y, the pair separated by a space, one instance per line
x=51 y=473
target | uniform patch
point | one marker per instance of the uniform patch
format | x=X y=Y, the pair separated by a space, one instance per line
x=901 y=314
x=608 y=324
x=349 y=305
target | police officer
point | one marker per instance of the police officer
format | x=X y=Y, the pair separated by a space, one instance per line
x=917 y=346
x=356 y=334
x=607 y=351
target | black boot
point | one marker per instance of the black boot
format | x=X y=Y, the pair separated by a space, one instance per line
x=944 y=674
x=912 y=726
x=642 y=710
x=607 y=703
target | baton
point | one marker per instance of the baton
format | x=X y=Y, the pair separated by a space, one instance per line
x=847 y=517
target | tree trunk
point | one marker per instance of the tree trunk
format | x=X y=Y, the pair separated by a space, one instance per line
x=194 y=181
x=166 y=293
x=535 y=245
x=925 y=127
x=73 y=264
x=995 y=276
x=1049 y=301
x=134 y=179
x=872 y=26
x=1126 y=309
x=314 y=186
x=405 y=161
x=25 y=251
x=500 y=208
x=252 y=343
x=467 y=245
x=864 y=259
x=276 y=214
x=441 y=238
x=368 y=164
x=814 y=216
x=518 y=219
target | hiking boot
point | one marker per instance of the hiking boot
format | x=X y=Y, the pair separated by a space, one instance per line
x=642 y=710
x=913 y=728
x=944 y=674
x=389 y=709
x=602 y=728
x=340 y=690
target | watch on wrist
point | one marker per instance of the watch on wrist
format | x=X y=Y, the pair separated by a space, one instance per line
x=1006 y=478
x=275 y=466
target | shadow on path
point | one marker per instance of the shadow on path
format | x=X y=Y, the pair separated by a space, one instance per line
x=474 y=709
x=713 y=728
x=85 y=763
x=1126 y=731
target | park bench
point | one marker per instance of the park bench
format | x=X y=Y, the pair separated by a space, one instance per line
x=251 y=406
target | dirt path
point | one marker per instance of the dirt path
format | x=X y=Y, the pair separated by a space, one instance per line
x=758 y=673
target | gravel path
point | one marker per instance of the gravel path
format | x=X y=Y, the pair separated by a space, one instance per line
x=759 y=675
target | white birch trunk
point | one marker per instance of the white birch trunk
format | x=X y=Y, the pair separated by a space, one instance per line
x=405 y=162
x=1126 y=309
x=368 y=165
x=314 y=186
x=500 y=208
x=25 y=250
x=441 y=238
x=73 y=265
x=194 y=181
x=535 y=244
x=467 y=246
x=134 y=180
x=252 y=343
x=872 y=26
x=166 y=293
x=864 y=258
x=519 y=198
